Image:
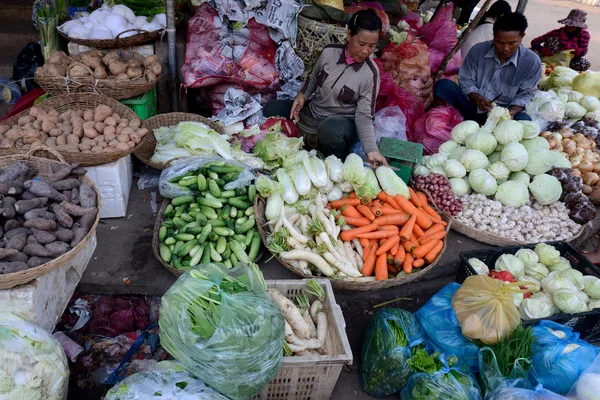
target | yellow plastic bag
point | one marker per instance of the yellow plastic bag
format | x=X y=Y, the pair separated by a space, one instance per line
x=562 y=59
x=485 y=308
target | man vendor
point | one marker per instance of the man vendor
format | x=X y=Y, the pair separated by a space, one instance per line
x=501 y=71
x=345 y=84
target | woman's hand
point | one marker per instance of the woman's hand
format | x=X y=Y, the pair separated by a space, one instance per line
x=297 y=107
x=376 y=159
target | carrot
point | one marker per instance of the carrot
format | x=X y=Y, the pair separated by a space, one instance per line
x=383 y=196
x=418 y=263
x=366 y=200
x=435 y=228
x=423 y=249
x=423 y=197
x=432 y=255
x=362 y=221
x=390 y=259
x=431 y=212
x=418 y=231
x=368 y=250
x=353 y=195
x=349 y=211
x=394 y=249
x=399 y=257
x=377 y=235
x=377 y=210
x=414 y=198
x=409 y=246
x=422 y=218
x=365 y=212
x=352 y=233
x=394 y=219
x=387 y=210
x=376 y=203
x=391 y=242
x=365 y=243
x=348 y=200
x=407 y=230
x=433 y=236
x=392 y=269
x=369 y=265
x=389 y=228
x=381 y=272
x=407 y=264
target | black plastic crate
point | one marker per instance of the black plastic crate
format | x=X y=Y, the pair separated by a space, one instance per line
x=587 y=323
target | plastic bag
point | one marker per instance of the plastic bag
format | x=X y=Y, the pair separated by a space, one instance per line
x=546 y=107
x=434 y=128
x=33 y=364
x=562 y=58
x=521 y=389
x=386 y=347
x=491 y=377
x=559 y=358
x=223 y=328
x=168 y=380
x=440 y=32
x=182 y=166
x=587 y=387
x=439 y=321
x=485 y=308
x=436 y=57
x=28 y=61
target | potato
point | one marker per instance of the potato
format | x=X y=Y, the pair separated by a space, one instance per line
x=109 y=150
x=78 y=127
x=66 y=116
x=37 y=124
x=122 y=77
x=131 y=144
x=72 y=139
x=48 y=125
x=4 y=129
x=72 y=148
x=102 y=112
x=78 y=71
x=99 y=127
x=150 y=60
x=84 y=146
x=127 y=131
x=61 y=140
x=155 y=68
x=135 y=123
x=25 y=120
x=87 y=152
x=135 y=137
x=123 y=138
x=88 y=115
x=37 y=112
x=110 y=133
x=54 y=114
x=134 y=72
x=100 y=72
x=97 y=149
x=103 y=144
x=13 y=134
x=117 y=117
x=55 y=132
x=58 y=57
x=142 y=132
x=88 y=141
x=116 y=67
x=54 y=70
x=50 y=142
x=123 y=146
x=91 y=60
x=79 y=113
x=114 y=143
x=150 y=76
x=5 y=143
x=89 y=125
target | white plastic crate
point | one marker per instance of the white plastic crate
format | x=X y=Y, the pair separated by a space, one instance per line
x=114 y=183
x=311 y=377
x=43 y=300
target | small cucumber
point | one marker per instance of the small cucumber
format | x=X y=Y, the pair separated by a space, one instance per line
x=238 y=203
x=216 y=223
x=254 y=248
x=181 y=200
x=178 y=246
x=186 y=248
x=169 y=224
x=195 y=250
x=205 y=232
x=201 y=182
x=213 y=237
x=177 y=263
x=201 y=218
x=215 y=163
x=246 y=226
x=170 y=241
x=214 y=254
x=228 y=264
x=188 y=181
x=239 y=238
x=221 y=245
x=165 y=253
x=187 y=217
x=228 y=194
x=213 y=176
x=179 y=210
x=213 y=187
x=233 y=213
x=162 y=233
x=249 y=211
x=251 y=192
x=169 y=210
x=226 y=169
x=197 y=257
x=233 y=259
x=249 y=237
x=194 y=230
x=203 y=201
x=206 y=254
x=208 y=212
x=241 y=191
x=179 y=222
x=240 y=214
x=236 y=248
x=223 y=231
x=184 y=237
x=227 y=253
x=240 y=221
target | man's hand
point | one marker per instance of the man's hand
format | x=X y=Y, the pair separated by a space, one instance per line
x=514 y=110
x=297 y=107
x=376 y=159
x=482 y=103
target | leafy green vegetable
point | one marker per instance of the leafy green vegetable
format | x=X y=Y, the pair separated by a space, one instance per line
x=275 y=148
x=421 y=361
x=513 y=348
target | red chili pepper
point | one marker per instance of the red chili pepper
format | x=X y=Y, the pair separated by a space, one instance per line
x=526 y=295
x=502 y=275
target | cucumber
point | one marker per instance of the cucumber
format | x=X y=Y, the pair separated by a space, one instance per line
x=203 y=201
x=206 y=254
x=178 y=245
x=223 y=231
x=201 y=182
x=201 y=218
x=251 y=192
x=254 y=248
x=193 y=212
x=249 y=237
x=213 y=176
x=227 y=253
x=170 y=241
x=213 y=237
x=236 y=248
x=216 y=223
x=194 y=230
x=239 y=238
x=225 y=169
x=197 y=257
x=230 y=224
x=233 y=213
x=228 y=193
x=226 y=211
x=179 y=210
x=240 y=221
x=240 y=214
x=165 y=253
x=240 y=191
x=238 y=203
x=195 y=250
x=187 y=217
x=188 y=181
x=194 y=206
x=215 y=163
x=249 y=211
x=178 y=201
x=179 y=222
x=186 y=248
x=186 y=263
x=177 y=263
x=184 y=237
x=233 y=259
x=221 y=182
x=169 y=210
x=205 y=232
x=214 y=254
x=246 y=226
x=169 y=224
x=228 y=264
x=162 y=233
x=213 y=187
x=208 y=212
x=221 y=245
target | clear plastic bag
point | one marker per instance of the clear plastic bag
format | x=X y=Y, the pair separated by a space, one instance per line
x=387 y=344
x=434 y=128
x=223 y=328
x=439 y=321
x=485 y=308
x=562 y=58
x=389 y=122
x=587 y=386
x=182 y=166
x=168 y=380
x=559 y=356
x=521 y=389
x=490 y=374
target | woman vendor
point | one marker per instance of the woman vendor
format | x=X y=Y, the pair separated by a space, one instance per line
x=345 y=84
x=573 y=36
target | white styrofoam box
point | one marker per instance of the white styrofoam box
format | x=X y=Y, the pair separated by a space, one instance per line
x=145 y=49
x=114 y=184
x=43 y=300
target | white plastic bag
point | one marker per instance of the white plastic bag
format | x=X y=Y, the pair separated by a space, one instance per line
x=389 y=122
x=587 y=386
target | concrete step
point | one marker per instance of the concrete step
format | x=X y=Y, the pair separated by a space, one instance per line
x=15 y=10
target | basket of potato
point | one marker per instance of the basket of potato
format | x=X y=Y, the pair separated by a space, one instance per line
x=85 y=128
x=118 y=74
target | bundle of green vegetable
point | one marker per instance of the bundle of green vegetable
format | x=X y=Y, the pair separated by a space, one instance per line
x=217 y=225
x=147 y=8
x=222 y=327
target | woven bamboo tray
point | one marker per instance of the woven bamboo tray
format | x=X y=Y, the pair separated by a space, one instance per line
x=313 y=36
x=44 y=168
x=141 y=37
x=265 y=231
x=76 y=102
x=145 y=150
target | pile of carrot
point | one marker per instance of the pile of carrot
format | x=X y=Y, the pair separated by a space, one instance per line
x=396 y=234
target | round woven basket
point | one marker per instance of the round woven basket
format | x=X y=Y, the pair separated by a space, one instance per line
x=118 y=90
x=76 y=102
x=313 y=36
x=44 y=168
x=145 y=150
x=141 y=37
x=265 y=232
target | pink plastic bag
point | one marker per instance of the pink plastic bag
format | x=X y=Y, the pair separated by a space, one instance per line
x=433 y=128
x=440 y=33
x=435 y=60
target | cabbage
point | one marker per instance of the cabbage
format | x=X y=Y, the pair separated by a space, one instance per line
x=528 y=257
x=371 y=187
x=560 y=265
x=547 y=254
x=460 y=186
x=425 y=159
x=532 y=284
x=420 y=170
x=591 y=103
x=474 y=159
x=536 y=308
x=266 y=186
x=593 y=304
x=561 y=160
x=540 y=161
x=499 y=170
x=563 y=76
x=509 y=132
x=553 y=110
x=482 y=140
x=512 y=193
x=592 y=286
x=567 y=301
x=575 y=110
x=462 y=131
x=530 y=129
x=553 y=282
x=519 y=176
x=438 y=170
x=436 y=160
x=546 y=189
x=593 y=115
x=536 y=143
x=575 y=96
x=537 y=270
x=391 y=183
x=454 y=169
x=354 y=171
x=518 y=299
x=494 y=157
x=499 y=147
x=514 y=156
x=588 y=83
x=574 y=276
x=458 y=152
x=510 y=263
x=496 y=116
x=482 y=182
x=334 y=168
x=479 y=266
x=448 y=147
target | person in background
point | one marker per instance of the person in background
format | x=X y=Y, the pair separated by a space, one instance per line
x=500 y=72
x=345 y=84
x=572 y=36
x=485 y=29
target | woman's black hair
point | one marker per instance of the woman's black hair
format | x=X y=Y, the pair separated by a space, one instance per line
x=366 y=20
x=497 y=9
x=510 y=23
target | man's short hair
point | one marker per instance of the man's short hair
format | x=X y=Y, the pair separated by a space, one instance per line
x=510 y=23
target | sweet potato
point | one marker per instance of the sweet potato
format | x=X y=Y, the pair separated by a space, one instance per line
x=75 y=196
x=17 y=242
x=62 y=173
x=40 y=223
x=43 y=237
x=7 y=252
x=31 y=239
x=63 y=217
x=15 y=170
x=19 y=256
x=39 y=213
x=36 y=249
x=10 y=234
x=42 y=189
x=37 y=261
x=8 y=207
x=75 y=210
x=66 y=184
x=11 y=224
x=22 y=206
x=87 y=221
x=9 y=188
x=28 y=196
x=10 y=267
x=64 y=235
x=79 y=234
x=87 y=196
x=78 y=171
x=57 y=248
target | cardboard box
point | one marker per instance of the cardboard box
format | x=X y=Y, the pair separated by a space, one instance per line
x=114 y=183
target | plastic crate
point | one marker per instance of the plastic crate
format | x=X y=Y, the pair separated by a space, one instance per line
x=311 y=377
x=587 y=323
x=144 y=105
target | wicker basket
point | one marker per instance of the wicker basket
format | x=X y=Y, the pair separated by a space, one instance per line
x=76 y=102
x=44 y=168
x=145 y=150
x=264 y=229
x=118 y=90
x=313 y=36
x=118 y=42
